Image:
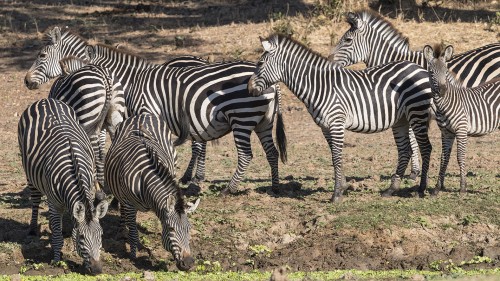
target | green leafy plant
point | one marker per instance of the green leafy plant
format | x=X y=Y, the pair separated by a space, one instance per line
x=257 y=250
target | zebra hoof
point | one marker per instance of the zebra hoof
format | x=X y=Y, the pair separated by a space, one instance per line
x=388 y=193
x=336 y=199
x=185 y=180
x=225 y=192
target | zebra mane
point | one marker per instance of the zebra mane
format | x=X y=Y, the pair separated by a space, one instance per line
x=123 y=51
x=87 y=193
x=66 y=32
x=278 y=37
x=379 y=23
x=438 y=50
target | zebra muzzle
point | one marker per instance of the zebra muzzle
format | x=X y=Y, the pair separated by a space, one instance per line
x=185 y=264
x=29 y=83
x=94 y=267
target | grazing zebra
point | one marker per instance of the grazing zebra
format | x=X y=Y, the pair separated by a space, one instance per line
x=394 y=96
x=98 y=100
x=126 y=68
x=140 y=171
x=58 y=161
x=460 y=111
x=374 y=41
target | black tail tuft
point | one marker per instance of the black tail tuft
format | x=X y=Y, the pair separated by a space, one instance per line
x=183 y=128
x=281 y=137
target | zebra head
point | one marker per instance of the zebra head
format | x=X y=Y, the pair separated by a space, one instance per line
x=46 y=66
x=438 y=70
x=352 y=46
x=269 y=68
x=175 y=230
x=87 y=234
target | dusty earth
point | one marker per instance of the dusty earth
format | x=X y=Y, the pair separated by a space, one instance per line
x=256 y=229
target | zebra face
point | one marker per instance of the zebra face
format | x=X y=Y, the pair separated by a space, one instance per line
x=45 y=67
x=176 y=232
x=268 y=71
x=437 y=68
x=349 y=50
x=87 y=235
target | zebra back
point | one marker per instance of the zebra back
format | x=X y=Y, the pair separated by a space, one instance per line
x=58 y=161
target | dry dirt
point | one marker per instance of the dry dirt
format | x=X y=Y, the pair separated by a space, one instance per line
x=255 y=230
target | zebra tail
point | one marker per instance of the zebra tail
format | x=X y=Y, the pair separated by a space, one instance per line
x=280 y=129
x=183 y=128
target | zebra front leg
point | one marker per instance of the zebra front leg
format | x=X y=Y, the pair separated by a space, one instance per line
x=36 y=197
x=415 y=162
x=461 y=150
x=447 y=140
x=55 y=224
x=336 y=145
x=422 y=135
x=266 y=139
x=244 y=149
x=401 y=136
x=188 y=174
x=200 y=165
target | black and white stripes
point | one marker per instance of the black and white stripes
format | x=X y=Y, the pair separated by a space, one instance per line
x=460 y=112
x=58 y=161
x=389 y=96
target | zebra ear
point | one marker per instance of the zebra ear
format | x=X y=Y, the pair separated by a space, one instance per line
x=353 y=19
x=428 y=53
x=266 y=44
x=101 y=209
x=55 y=35
x=171 y=201
x=79 y=212
x=448 y=53
x=89 y=53
x=191 y=207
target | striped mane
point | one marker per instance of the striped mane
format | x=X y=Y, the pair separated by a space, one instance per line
x=279 y=39
x=383 y=27
x=66 y=33
x=111 y=49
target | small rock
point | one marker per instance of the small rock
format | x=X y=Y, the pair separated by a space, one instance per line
x=288 y=238
x=15 y=277
x=417 y=277
x=348 y=276
x=16 y=114
x=149 y=276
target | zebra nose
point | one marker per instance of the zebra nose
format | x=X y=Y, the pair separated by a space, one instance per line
x=29 y=84
x=186 y=263
x=95 y=267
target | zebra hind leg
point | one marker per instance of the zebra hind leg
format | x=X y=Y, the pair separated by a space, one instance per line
x=129 y=213
x=242 y=141
x=55 y=224
x=200 y=164
x=401 y=136
x=188 y=174
x=36 y=197
x=415 y=161
x=447 y=140
x=266 y=139
x=422 y=135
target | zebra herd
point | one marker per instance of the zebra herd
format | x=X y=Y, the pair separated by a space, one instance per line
x=140 y=104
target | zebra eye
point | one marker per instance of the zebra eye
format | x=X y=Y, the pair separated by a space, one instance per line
x=42 y=55
x=348 y=40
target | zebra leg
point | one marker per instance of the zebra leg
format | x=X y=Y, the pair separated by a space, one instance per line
x=36 y=197
x=130 y=214
x=188 y=174
x=401 y=136
x=242 y=141
x=55 y=224
x=461 y=149
x=415 y=162
x=200 y=165
x=266 y=139
x=422 y=135
x=447 y=140
x=335 y=139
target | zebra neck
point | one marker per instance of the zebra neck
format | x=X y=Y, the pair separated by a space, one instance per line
x=73 y=45
x=389 y=53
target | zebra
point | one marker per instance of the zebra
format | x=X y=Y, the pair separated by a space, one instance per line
x=460 y=111
x=127 y=67
x=140 y=171
x=58 y=161
x=375 y=41
x=394 y=96
x=98 y=100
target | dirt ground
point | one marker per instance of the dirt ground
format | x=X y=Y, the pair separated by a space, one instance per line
x=254 y=229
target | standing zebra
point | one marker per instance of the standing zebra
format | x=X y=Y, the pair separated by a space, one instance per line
x=127 y=67
x=394 y=96
x=140 y=171
x=98 y=100
x=58 y=161
x=375 y=41
x=460 y=111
